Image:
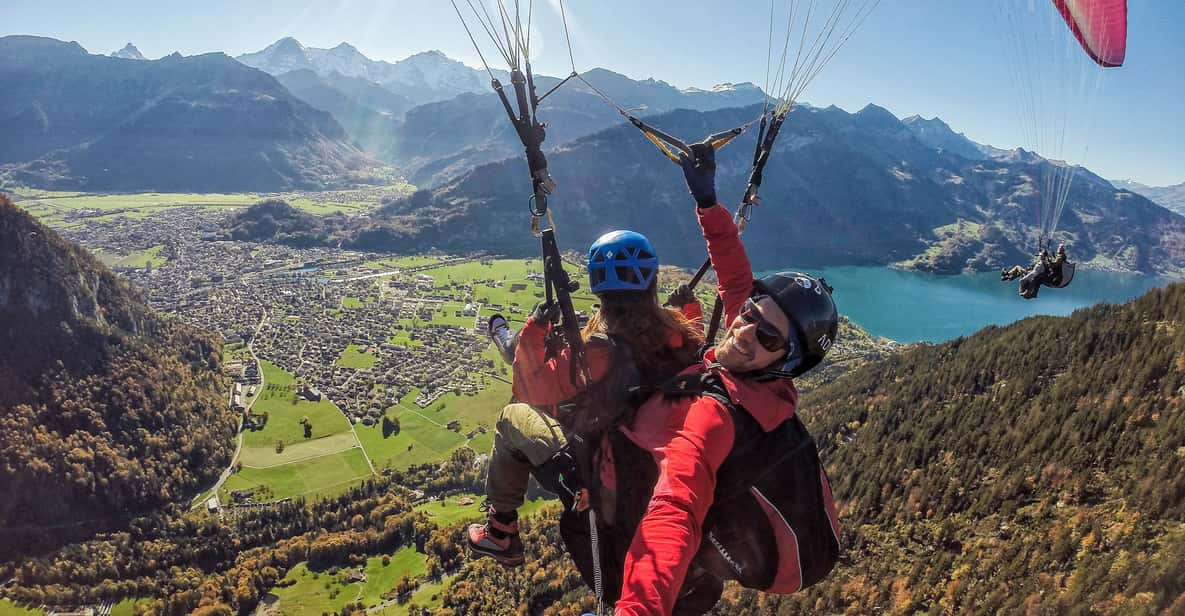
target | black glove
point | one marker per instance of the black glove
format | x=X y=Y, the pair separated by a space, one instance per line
x=546 y=312
x=700 y=171
x=681 y=296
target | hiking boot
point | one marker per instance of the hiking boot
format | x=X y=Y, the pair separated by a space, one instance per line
x=497 y=538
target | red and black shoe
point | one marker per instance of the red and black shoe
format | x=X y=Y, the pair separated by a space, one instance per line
x=497 y=538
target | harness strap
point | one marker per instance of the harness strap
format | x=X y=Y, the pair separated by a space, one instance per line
x=556 y=281
x=713 y=327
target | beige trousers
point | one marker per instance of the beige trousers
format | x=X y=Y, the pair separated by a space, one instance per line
x=524 y=438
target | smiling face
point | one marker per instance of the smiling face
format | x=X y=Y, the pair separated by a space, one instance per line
x=742 y=350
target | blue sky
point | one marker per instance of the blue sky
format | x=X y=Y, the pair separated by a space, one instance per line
x=931 y=57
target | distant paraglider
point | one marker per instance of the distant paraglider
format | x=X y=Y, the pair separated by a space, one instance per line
x=1056 y=87
x=1055 y=272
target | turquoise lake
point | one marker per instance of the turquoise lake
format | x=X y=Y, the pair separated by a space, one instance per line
x=912 y=307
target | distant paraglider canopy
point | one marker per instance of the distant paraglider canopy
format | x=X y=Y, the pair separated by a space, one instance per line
x=1056 y=85
x=1100 y=26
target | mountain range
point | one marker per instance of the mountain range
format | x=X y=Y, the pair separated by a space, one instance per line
x=854 y=188
x=1171 y=197
x=73 y=120
x=454 y=121
x=207 y=123
x=425 y=145
x=840 y=188
x=424 y=77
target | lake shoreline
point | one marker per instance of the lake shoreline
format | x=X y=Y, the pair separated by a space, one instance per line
x=908 y=306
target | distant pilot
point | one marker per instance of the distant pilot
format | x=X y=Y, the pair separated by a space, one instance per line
x=1044 y=271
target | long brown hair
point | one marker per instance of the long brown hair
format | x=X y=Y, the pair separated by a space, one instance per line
x=638 y=319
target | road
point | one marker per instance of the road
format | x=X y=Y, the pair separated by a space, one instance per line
x=226 y=472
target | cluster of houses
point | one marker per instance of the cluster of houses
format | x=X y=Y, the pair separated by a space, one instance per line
x=301 y=308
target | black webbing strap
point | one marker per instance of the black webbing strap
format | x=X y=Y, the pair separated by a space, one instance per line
x=559 y=287
x=713 y=327
x=530 y=132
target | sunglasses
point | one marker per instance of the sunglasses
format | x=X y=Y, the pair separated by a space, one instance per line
x=767 y=335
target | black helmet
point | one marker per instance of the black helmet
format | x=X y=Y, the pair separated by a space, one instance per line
x=813 y=317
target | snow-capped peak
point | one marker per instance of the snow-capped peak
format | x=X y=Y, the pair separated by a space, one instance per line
x=129 y=52
x=284 y=45
x=423 y=77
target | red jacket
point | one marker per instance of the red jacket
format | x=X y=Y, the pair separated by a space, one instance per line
x=689 y=439
x=543 y=382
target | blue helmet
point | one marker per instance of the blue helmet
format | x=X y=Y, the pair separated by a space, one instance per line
x=621 y=261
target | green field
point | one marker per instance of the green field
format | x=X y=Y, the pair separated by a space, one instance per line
x=423 y=429
x=427 y=595
x=266 y=456
x=351 y=302
x=503 y=275
x=127 y=607
x=317 y=592
x=322 y=208
x=317 y=478
x=54 y=207
x=351 y=358
x=419 y=441
x=402 y=337
x=400 y=262
x=105 y=207
x=137 y=259
x=450 y=314
x=447 y=512
x=311 y=594
x=8 y=608
x=235 y=352
x=278 y=400
x=481 y=409
x=274 y=375
x=482 y=443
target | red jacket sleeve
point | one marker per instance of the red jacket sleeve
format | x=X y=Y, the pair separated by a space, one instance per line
x=734 y=275
x=539 y=381
x=669 y=535
x=693 y=312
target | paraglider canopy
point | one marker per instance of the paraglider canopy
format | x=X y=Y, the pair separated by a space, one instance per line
x=1100 y=26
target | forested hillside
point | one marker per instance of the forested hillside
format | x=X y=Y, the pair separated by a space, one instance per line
x=106 y=408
